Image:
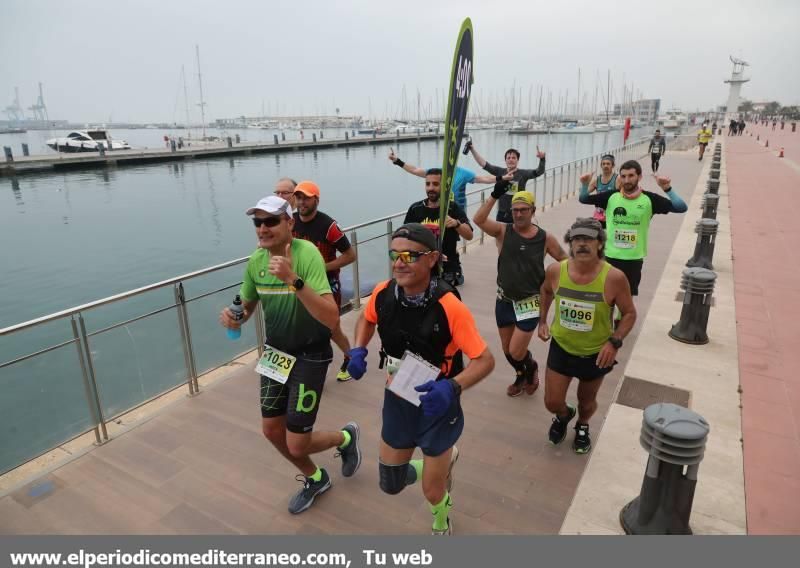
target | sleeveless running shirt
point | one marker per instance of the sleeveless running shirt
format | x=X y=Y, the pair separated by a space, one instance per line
x=627 y=225
x=520 y=265
x=582 y=322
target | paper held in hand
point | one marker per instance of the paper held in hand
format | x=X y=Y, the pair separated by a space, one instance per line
x=413 y=371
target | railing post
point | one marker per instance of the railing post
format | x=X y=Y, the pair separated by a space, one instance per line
x=553 y=192
x=356 y=283
x=483 y=200
x=92 y=382
x=261 y=329
x=86 y=384
x=544 y=191
x=186 y=340
x=389 y=231
x=561 y=185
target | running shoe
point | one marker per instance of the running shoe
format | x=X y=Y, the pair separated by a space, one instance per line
x=351 y=455
x=582 y=443
x=516 y=388
x=533 y=383
x=343 y=376
x=558 y=429
x=304 y=498
x=444 y=532
x=453 y=460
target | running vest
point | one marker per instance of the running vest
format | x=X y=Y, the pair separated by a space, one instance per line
x=582 y=323
x=656 y=146
x=424 y=331
x=520 y=265
x=704 y=136
x=627 y=225
x=610 y=186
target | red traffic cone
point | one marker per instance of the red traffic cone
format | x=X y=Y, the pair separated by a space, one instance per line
x=781 y=154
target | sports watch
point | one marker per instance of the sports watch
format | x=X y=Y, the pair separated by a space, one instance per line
x=298 y=284
x=617 y=343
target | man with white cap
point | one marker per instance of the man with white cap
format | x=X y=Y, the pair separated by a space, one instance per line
x=287 y=277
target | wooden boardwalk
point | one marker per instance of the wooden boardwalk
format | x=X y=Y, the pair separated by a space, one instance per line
x=202 y=466
x=39 y=163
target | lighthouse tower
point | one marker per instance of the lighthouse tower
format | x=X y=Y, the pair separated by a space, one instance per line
x=736 y=81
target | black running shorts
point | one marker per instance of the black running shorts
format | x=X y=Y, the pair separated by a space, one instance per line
x=583 y=368
x=632 y=269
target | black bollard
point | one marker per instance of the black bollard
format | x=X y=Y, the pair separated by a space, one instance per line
x=283 y=136
x=698 y=285
x=173 y=146
x=230 y=142
x=346 y=135
x=675 y=439
x=314 y=136
x=102 y=149
x=8 y=153
x=710 y=202
x=25 y=150
x=706 y=230
x=238 y=139
x=275 y=137
x=714 y=173
x=321 y=135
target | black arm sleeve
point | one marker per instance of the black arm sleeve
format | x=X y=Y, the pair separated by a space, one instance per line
x=494 y=170
x=661 y=205
x=597 y=199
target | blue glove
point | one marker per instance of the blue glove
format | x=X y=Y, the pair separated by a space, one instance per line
x=439 y=398
x=358 y=362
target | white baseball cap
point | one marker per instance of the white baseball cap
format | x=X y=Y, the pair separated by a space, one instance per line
x=273 y=205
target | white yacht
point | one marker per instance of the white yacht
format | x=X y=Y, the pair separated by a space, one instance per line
x=86 y=141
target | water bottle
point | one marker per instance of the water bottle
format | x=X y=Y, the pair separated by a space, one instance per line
x=467 y=146
x=238 y=314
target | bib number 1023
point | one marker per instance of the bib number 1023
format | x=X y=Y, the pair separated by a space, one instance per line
x=275 y=364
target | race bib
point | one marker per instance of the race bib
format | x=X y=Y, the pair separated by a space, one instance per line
x=392 y=364
x=656 y=150
x=625 y=238
x=275 y=364
x=574 y=315
x=527 y=309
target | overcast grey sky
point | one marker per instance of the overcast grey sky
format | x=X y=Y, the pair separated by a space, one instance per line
x=123 y=59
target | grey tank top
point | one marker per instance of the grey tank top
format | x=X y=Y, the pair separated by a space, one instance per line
x=520 y=266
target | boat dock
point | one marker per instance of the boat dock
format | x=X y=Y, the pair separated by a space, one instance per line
x=29 y=164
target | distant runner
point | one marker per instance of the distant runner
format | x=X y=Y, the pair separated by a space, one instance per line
x=608 y=180
x=520 y=271
x=423 y=327
x=703 y=138
x=585 y=289
x=657 y=148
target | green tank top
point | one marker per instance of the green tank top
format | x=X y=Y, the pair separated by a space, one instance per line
x=582 y=323
x=627 y=225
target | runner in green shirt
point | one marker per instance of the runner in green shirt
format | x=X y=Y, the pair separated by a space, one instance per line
x=584 y=345
x=287 y=277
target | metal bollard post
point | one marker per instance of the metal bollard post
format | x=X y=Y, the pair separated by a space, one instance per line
x=25 y=150
x=710 y=201
x=713 y=186
x=238 y=139
x=374 y=134
x=314 y=136
x=9 y=155
x=714 y=173
x=173 y=146
x=698 y=285
x=102 y=149
x=230 y=142
x=283 y=137
x=346 y=135
x=706 y=230
x=275 y=137
x=321 y=135
x=675 y=438
x=356 y=280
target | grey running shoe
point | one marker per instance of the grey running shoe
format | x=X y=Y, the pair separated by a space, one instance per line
x=304 y=498
x=444 y=532
x=453 y=460
x=558 y=429
x=582 y=443
x=351 y=455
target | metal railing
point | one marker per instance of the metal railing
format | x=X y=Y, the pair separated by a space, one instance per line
x=554 y=186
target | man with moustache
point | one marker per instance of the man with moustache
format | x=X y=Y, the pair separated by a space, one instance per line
x=426 y=212
x=287 y=277
x=519 y=180
x=628 y=215
x=585 y=290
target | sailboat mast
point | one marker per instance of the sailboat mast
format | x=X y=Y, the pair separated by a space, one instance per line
x=185 y=101
x=200 y=82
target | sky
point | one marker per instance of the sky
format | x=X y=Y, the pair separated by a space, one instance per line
x=121 y=60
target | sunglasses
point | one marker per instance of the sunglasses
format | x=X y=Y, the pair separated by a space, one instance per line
x=407 y=256
x=267 y=221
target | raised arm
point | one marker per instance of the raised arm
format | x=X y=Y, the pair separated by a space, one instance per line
x=478 y=158
x=419 y=172
x=481 y=218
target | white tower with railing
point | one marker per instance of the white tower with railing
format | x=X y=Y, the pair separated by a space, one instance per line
x=736 y=81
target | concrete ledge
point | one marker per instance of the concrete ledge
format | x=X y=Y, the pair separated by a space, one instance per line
x=709 y=372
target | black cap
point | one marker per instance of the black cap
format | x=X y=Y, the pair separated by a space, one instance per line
x=417 y=233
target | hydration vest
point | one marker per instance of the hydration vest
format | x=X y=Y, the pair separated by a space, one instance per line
x=422 y=330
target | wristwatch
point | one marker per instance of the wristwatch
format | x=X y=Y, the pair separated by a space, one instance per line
x=298 y=284
x=617 y=343
x=456 y=386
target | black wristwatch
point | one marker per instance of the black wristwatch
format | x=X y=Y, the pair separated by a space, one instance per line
x=456 y=386
x=617 y=343
x=298 y=284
